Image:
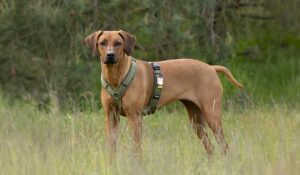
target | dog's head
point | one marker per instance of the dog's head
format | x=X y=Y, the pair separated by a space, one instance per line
x=110 y=45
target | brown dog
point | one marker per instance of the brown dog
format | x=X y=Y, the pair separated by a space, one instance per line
x=194 y=83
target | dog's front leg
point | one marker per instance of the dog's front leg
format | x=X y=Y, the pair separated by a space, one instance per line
x=112 y=130
x=135 y=122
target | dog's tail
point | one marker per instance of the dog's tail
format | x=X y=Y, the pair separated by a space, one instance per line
x=228 y=75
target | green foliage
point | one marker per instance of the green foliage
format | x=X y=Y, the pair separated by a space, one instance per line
x=269 y=70
x=42 y=50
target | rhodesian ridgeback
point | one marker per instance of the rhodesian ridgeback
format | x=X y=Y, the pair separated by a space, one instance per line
x=194 y=83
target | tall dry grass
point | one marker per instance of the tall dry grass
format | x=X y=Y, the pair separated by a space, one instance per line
x=263 y=140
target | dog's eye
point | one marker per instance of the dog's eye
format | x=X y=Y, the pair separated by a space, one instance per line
x=103 y=43
x=117 y=44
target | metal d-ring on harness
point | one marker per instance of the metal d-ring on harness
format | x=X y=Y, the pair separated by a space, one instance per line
x=117 y=93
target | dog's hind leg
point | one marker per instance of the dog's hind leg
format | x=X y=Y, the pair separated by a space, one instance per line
x=212 y=113
x=198 y=122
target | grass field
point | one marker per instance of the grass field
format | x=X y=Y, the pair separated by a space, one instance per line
x=263 y=140
x=50 y=117
x=262 y=130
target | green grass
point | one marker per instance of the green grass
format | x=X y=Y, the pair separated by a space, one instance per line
x=272 y=77
x=263 y=140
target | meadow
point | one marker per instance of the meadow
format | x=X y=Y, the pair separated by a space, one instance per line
x=261 y=125
x=262 y=139
x=51 y=121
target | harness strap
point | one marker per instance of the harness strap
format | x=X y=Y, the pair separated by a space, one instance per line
x=157 y=87
x=117 y=93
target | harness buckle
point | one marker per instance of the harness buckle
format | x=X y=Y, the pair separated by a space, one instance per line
x=155 y=66
x=116 y=96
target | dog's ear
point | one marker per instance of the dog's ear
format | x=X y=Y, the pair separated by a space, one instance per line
x=129 y=41
x=91 y=41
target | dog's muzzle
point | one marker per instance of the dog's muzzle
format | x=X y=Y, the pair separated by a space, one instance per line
x=110 y=58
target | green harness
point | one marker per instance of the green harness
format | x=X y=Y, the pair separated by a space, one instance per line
x=117 y=93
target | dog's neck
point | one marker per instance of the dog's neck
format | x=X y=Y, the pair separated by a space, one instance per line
x=115 y=73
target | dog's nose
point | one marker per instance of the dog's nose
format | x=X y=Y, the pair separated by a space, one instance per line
x=110 y=54
x=110 y=57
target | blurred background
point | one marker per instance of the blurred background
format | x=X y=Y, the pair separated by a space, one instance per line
x=43 y=60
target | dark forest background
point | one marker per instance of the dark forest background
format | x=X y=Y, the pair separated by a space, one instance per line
x=42 y=58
